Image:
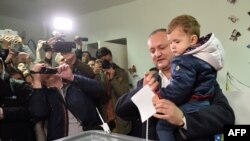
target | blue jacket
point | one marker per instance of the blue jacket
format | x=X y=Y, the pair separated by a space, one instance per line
x=191 y=78
x=48 y=104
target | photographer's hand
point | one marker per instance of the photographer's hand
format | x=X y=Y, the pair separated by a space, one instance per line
x=9 y=57
x=37 y=76
x=65 y=72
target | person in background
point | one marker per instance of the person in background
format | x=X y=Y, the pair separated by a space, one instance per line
x=76 y=65
x=86 y=57
x=115 y=84
x=15 y=120
x=67 y=105
x=68 y=56
x=59 y=59
x=200 y=125
x=104 y=53
x=91 y=63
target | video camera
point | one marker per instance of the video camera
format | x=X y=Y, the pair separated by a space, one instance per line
x=77 y=39
x=63 y=47
x=106 y=64
x=46 y=70
x=46 y=46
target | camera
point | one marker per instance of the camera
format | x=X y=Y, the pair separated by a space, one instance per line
x=45 y=70
x=63 y=47
x=46 y=46
x=77 y=39
x=106 y=64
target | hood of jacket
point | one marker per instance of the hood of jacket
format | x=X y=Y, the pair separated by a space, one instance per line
x=209 y=49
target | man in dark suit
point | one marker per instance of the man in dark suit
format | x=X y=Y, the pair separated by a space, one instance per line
x=199 y=126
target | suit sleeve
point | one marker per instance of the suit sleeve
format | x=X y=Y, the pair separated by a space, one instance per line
x=90 y=86
x=209 y=121
x=125 y=108
x=39 y=108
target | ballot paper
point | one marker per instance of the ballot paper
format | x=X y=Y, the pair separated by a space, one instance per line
x=143 y=100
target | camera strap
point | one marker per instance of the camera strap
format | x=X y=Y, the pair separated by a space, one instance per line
x=33 y=72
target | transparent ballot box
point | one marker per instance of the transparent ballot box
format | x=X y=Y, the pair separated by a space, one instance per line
x=99 y=135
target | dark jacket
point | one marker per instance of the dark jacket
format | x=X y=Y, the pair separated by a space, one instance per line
x=14 y=100
x=191 y=78
x=202 y=125
x=83 y=69
x=48 y=104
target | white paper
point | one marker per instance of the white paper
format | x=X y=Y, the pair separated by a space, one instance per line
x=143 y=100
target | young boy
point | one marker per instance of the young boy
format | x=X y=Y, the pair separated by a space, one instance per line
x=193 y=69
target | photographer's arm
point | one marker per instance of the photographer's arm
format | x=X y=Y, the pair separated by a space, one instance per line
x=38 y=47
x=90 y=86
x=38 y=103
x=48 y=57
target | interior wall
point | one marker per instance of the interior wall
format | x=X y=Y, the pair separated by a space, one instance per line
x=136 y=20
x=33 y=31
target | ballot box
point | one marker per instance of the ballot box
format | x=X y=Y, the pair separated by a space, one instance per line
x=98 y=135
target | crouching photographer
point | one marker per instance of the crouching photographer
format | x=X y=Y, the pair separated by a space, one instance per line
x=64 y=100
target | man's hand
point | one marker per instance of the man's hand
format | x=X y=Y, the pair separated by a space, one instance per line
x=1 y=113
x=150 y=80
x=110 y=73
x=37 y=76
x=65 y=72
x=168 y=111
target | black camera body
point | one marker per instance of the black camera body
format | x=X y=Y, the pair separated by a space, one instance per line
x=77 y=38
x=83 y=39
x=106 y=64
x=63 y=46
x=45 y=70
x=46 y=46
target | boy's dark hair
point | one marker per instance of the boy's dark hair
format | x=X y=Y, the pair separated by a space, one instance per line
x=103 y=51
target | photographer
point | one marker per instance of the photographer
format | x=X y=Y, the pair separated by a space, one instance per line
x=67 y=50
x=15 y=122
x=115 y=84
x=66 y=105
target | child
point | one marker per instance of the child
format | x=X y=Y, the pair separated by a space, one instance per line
x=193 y=69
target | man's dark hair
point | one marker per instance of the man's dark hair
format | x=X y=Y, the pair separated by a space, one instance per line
x=103 y=51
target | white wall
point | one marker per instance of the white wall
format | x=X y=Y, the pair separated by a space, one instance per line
x=33 y=31
x=136 y=20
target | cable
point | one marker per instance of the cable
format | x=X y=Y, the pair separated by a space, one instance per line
x=147 y=130
x=229 y=80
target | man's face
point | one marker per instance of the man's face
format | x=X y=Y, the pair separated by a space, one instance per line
x=159 y=48
x=91 y=64
x=49 y=79
x=180 y=41
x=69 y=58
x=85 y=57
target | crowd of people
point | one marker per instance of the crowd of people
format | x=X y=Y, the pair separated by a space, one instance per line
x=51 y=97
